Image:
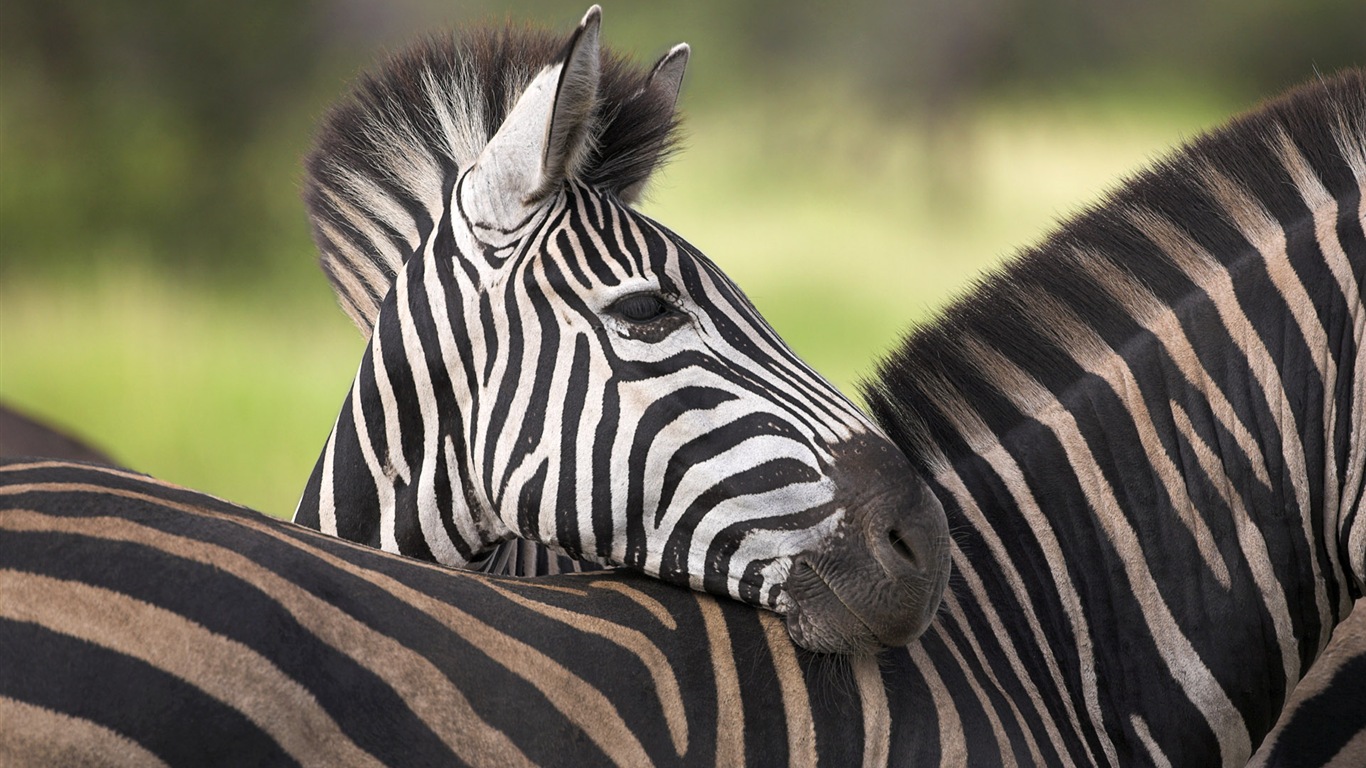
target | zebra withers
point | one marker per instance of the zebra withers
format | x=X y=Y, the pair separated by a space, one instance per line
x=547 y=362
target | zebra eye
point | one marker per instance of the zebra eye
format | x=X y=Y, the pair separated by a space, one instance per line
x=640 y=307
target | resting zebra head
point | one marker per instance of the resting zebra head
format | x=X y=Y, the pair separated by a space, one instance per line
x=546 y=362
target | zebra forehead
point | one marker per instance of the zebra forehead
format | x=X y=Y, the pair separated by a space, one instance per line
x=384 y=157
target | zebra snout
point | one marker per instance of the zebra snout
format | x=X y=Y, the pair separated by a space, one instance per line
x=878 y=581
x=899 y=551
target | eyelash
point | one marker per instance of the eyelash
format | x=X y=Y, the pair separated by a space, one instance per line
x=641 y=308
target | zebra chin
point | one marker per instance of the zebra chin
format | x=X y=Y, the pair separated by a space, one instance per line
x=878 y=580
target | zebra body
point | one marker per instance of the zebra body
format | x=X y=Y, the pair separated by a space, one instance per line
x=1149 y=435
x=547 y=362
x=226 y=637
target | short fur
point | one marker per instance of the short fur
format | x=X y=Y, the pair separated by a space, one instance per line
x=408 y=128
x=934 y=355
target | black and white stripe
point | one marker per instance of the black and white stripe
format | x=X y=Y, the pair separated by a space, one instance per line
x=158 y=626
x=548 y=363
x=1150 y=433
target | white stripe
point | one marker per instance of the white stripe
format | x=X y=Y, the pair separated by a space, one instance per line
x=1011 y=476
x=428 y=511
x=327 y=507
x=1212 y=277
x=1325 y=210
x=389 y=408
x=384 y=490
x=1145 y=737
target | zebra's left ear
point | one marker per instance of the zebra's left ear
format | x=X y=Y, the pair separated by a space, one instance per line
x=666 y=76
x=664 y=83
x=544 y=137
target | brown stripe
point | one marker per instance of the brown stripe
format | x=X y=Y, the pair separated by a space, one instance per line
x=1155 y=754
x=801 y=731
x=999 y=631
x=1197 y=681
x=984 y=443
x=730 y=711
x=430 y=694
x=1206 y=271
x=877 y=720
x=1161 y=321
x=952 y=608
x=580 y=703
x=36 y=737
x=1251 y=541
x=1265 y=234
x=953 y=746
x=49 y=487
x=1325 y=210
x=220 y=667
x=1081 y=342
x=633 y=640
x=650 y=604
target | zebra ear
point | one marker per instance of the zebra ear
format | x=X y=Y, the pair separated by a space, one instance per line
x=666 y=77
x=664 y=83
x=543 y=138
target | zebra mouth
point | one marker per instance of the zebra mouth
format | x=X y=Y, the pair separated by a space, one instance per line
x=818 y=620
x=856 y=611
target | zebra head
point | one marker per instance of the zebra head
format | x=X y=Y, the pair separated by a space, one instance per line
x=546 y=362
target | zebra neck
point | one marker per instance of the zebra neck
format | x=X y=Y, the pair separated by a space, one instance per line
x=395 y=472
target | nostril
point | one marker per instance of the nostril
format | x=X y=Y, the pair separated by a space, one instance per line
x=901 y=547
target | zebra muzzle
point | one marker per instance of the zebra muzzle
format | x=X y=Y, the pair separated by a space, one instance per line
x=878 y=581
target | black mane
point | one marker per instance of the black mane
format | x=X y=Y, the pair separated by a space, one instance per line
x=1325 y=120
x=393 y=134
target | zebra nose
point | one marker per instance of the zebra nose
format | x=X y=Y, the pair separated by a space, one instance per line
x=900 y=551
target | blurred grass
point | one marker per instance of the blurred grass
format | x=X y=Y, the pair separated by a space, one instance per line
x=844 y=229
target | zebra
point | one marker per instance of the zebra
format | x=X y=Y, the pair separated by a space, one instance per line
x=546 y=361
x=1166 y=394
x=23 y=435
x=1146 y=435
x=159 y=626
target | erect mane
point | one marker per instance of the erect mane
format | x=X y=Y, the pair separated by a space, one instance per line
x=931 y=396
x=375 y=177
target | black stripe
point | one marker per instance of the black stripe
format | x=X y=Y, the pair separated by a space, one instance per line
x=131 y=698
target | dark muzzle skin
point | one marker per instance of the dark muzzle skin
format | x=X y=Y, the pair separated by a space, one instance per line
x=878 y=580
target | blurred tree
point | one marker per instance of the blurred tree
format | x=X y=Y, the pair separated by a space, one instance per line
x=162 y=130
x=131 y=125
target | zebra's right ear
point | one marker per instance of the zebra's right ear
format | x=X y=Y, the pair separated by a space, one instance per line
x=543 y=139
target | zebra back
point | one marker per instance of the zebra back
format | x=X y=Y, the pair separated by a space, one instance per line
x=162 y=626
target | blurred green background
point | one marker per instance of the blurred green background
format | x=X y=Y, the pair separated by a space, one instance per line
x=852 y=169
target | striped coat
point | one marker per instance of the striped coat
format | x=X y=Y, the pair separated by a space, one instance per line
x=1147 y=436
x=158 y=626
